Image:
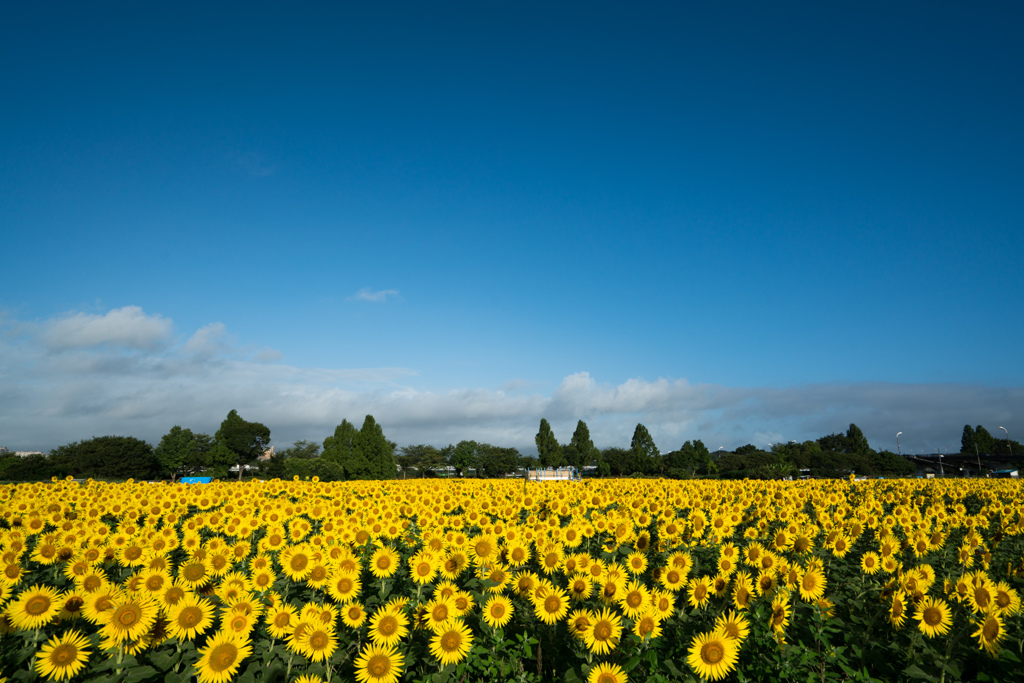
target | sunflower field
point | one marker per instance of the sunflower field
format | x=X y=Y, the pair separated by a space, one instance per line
x=500 y=580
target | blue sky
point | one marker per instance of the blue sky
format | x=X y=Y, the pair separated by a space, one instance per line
x=737 y=222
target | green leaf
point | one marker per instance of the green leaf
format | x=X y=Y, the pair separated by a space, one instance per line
x=630 y=664
x=570 y=676
x=175 y=677
x=163 y=660
x=139 y=673
x=914 y=671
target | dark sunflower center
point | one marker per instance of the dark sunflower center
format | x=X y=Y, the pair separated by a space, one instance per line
x=451 y=641
x=223 y=657
x=190 y=616
x=379 y=666
x=37 y=605
x=63 y=655
x=712 y=653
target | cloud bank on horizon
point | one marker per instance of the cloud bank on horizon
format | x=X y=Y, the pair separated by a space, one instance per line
x=128 y=372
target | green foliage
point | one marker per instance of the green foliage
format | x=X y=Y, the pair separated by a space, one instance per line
x=580 y=450
x=493 y=461
x=463 y=457
x=691 y=459
x=247 y=441
x=549 y=451
x=420 y=460
x=645 y=454
x=182 y=453
x=377 y=450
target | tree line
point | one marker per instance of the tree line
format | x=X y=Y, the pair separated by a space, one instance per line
x=365 y=453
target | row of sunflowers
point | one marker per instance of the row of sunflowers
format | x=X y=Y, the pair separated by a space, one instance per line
x=430 y=580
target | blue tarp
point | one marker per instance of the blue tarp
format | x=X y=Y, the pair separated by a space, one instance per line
x=196 y=480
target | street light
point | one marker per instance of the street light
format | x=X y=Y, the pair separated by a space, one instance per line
x=1008 y=440
x=898 y=452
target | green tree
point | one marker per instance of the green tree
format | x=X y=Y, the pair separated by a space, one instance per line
x=182 y=453
x=619 y=461
x=856 y=442
x=645 y=453
x=463 y=457
x=345 y=450
x=692 y=458
x=106 y=457
x=247 y=441
x=302 y=449
x=421 y=457
x=549 y=451
x=580 y=450
x=968 y=440
x=493 y=461
x=378 y=451
x=986 y=442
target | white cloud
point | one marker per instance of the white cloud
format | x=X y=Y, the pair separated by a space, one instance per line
x=126 y=327
x=367 y=294
x=120 y=373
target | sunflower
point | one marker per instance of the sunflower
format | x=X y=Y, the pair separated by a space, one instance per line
x=191 y=617
x=239 y=622
x=384 y=562
x=35 y=607
x=604 y=633
x=464 y=603
x=132 y=615
x=579 y=622
x=353 y=615
x=296 y=562
x=379 y=664
x=606 y=673
x=194 y=573
x=387 y=627
x=812 y=584
x=422 y=567
x=1006 y=599
x=990 y=631
x=780 y=614
x=63 y=656
x=636 y=563
x=155 y=582
x=439 y=611
x=648 y=625
x=699 y=590
x=344 y=586
x=221 y=657
x=99 y=604
x=281 y=620
x=741 y=595
x=317 y=643
x=451 y=642
x=733 y=625
x=498 y=611
x=933 y=617
x=672 y=578
x=898 y=609
x=72 y=602
x=552 y=606
x=454 y=564
x=870 y=563
x=712 y=655
x=263 y=579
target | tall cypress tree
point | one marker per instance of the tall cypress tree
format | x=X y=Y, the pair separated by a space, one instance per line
x=549 y=451
x=581 y=450
x=377 y=450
